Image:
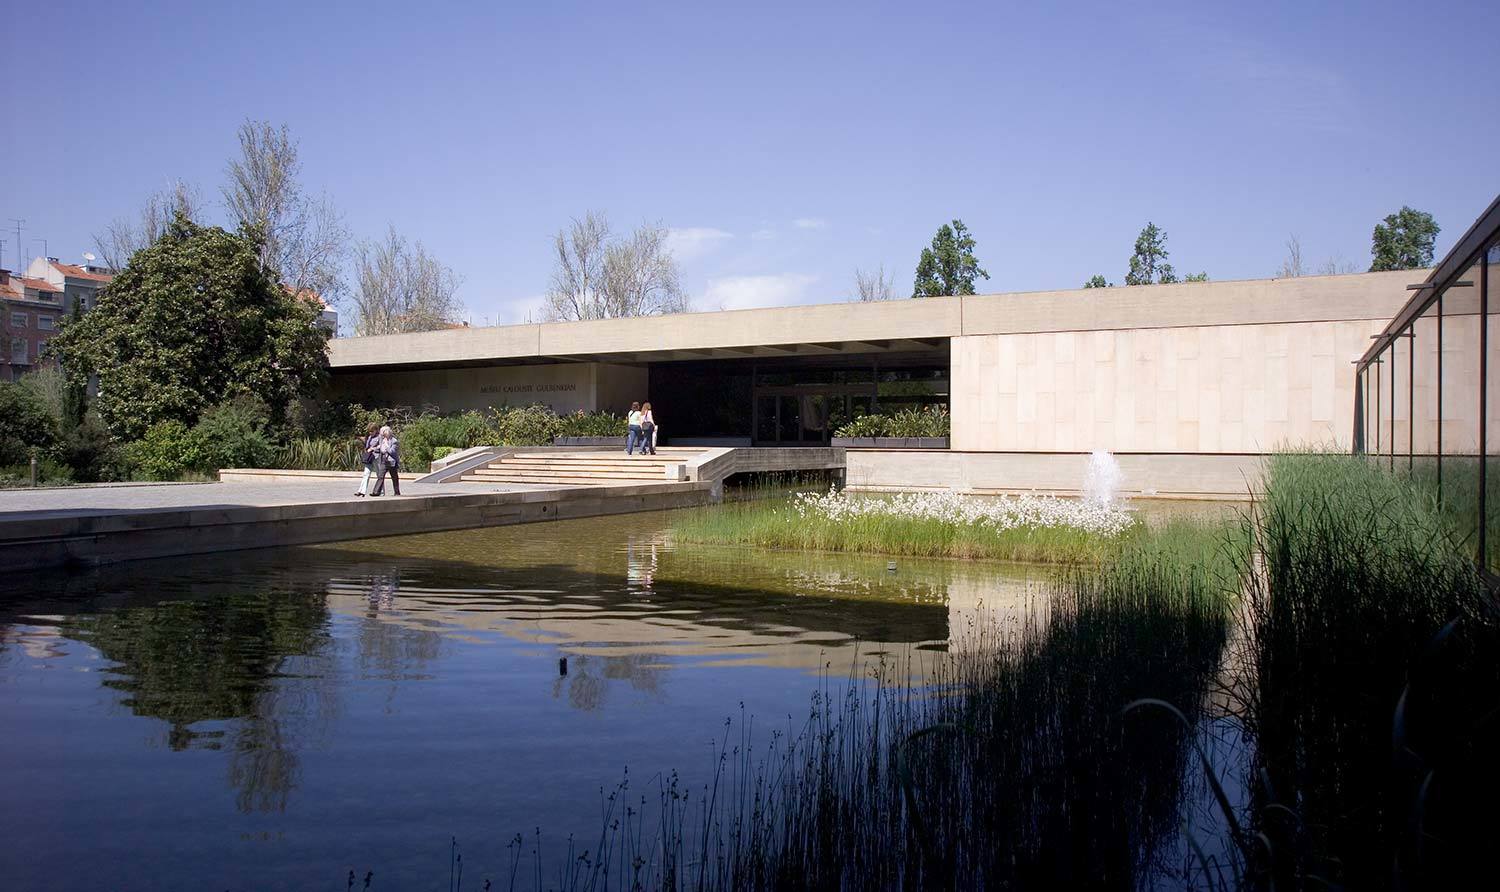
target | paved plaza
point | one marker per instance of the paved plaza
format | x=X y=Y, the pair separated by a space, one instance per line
x=83 y=500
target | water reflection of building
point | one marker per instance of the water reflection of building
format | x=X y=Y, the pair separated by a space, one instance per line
x=707 y=607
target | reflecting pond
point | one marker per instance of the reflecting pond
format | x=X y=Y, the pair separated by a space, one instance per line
x=273 y=719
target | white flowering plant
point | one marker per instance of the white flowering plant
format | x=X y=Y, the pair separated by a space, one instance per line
x=999 y=513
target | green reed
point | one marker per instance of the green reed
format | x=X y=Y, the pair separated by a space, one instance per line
x=1371 y=673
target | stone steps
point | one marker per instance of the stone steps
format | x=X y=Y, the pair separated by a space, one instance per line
x=584 y=468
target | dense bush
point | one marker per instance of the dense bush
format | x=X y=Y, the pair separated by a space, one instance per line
x=929 y=421
x=168 y=449
x=234 y=434
x=424 y=434
x=530 y=426
x=90 y=453
x=593 y=424
x=28 y=425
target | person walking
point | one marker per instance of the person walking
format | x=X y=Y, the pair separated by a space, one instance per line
x=648 y=430
x=388 y=461
x=633 y=426
x=367 y=457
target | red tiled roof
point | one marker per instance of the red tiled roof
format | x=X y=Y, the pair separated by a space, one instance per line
x=79 y=272
x=308 y=295
x=37 y=284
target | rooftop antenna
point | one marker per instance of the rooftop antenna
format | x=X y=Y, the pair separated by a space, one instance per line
x=89 y=258
x=20 y=263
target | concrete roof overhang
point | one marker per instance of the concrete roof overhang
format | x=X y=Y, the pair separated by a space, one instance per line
x=889 y=326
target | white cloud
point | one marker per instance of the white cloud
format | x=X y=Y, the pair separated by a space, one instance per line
x=810 y=223
x=746 y=292
x=763 y=235
x=695 y=241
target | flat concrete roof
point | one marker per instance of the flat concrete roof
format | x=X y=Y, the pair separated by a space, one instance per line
x=888 y=326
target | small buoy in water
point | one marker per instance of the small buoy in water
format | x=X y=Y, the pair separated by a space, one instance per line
x=562 y=666
x=890 y=566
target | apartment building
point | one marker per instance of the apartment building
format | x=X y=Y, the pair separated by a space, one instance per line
x=30 y=311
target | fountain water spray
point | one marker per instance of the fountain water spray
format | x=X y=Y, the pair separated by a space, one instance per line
x=1101 y=481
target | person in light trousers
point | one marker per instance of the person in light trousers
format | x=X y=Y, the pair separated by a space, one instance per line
x=367 y=457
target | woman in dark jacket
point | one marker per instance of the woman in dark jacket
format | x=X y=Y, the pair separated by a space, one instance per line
x=388 y=461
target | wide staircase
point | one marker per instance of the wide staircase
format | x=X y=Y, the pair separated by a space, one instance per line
x=585 y=468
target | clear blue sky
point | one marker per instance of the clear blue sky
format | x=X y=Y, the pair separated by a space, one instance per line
x=788 y=144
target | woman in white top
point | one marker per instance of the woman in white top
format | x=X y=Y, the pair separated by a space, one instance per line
x=633 y=425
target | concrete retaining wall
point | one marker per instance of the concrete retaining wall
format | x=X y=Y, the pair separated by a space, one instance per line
x=1180 y=476
x=43 y=539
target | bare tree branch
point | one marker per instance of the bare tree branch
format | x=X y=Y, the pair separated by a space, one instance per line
x=873 y=287
x=640 y=276
x=578 y=276
x=122 y=238
x=1292 y=266
x=304 y=238
x=402 y=288
x=597 y=277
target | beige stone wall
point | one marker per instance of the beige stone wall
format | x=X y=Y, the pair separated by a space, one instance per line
x=566 y=387
x=1231 y=477
x=1194 y=389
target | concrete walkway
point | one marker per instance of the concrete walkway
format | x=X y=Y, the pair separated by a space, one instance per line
x=102 y=524
x=137 y=497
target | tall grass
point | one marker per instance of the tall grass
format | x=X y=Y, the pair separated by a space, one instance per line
x=1373 y=672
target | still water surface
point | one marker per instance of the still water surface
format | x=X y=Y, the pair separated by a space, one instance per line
x=273 y=719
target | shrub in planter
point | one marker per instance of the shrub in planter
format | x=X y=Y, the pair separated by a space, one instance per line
x=863 y=426
x=929 y=421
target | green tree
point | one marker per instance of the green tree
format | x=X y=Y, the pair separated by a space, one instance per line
x=1098 y=282
x=28 y=424
x=1148 y=265
x=1195 y=277
x=1403 y=241
x=949 y=266
x=192 y=320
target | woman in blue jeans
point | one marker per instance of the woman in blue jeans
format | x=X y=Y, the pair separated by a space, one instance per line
x=633 y=422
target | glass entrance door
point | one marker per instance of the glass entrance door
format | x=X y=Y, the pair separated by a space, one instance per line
x=800 y=416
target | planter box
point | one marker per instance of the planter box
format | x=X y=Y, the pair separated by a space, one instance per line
x=891 y=442
x=590 y=441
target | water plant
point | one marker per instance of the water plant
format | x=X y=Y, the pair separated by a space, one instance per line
x=1024 y=528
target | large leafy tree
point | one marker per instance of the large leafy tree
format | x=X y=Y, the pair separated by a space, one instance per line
x=1148 y=265
x=948 y=267
x=1404 y=240
x=192 y=320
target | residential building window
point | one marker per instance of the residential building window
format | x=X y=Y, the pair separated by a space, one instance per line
x=41 y=349
x=17 y=320
x=18 y=351
x=44 y=323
